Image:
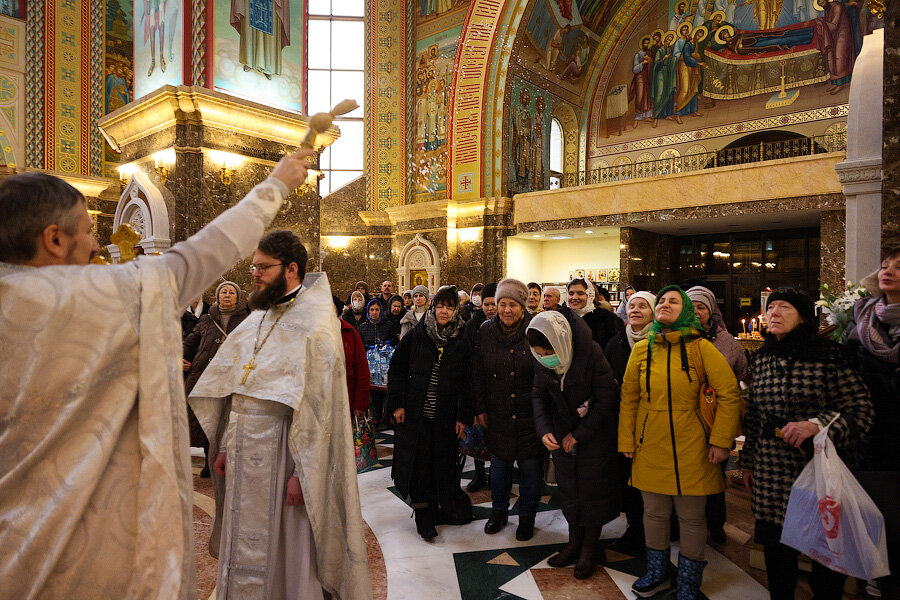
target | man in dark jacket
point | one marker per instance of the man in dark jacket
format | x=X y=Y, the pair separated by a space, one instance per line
x=384 y=298
x=503 y=372
x=487 y=311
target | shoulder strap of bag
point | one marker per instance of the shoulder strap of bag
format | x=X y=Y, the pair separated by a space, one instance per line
x=698 y=363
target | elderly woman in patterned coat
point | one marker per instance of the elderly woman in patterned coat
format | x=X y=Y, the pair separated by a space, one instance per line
x=800 y=383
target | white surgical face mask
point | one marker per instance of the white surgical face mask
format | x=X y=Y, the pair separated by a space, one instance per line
x=476 y=300
x=356 y=304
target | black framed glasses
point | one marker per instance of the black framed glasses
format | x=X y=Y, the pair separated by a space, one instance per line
x=263 y=268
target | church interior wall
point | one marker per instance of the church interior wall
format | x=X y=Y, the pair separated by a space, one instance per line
x=890 y=198
x=552 y=261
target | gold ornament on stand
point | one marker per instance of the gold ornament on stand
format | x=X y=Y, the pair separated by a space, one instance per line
x=876 y=7
x=126 y=238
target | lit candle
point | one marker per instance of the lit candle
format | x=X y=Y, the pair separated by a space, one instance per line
x=744 y=325
x=753 y=324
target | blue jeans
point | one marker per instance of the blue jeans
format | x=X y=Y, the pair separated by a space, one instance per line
x=530 y=475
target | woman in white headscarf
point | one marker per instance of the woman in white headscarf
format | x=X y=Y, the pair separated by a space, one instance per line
x=639 y=315
x=575 y=401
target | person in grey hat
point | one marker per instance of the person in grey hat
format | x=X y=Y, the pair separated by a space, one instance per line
x=503 y=372
x=486 y=311
x=419 y=307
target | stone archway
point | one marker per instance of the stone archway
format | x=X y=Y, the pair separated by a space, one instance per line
x=143 y=207
x=419 y=258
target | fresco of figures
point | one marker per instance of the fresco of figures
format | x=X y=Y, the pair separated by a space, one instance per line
x=529 y=138
x=432 y=80
x=118 y=80
x=259 y=54
x=561 y=37
x=706 y=61
x=428 y=10
x=158 y=45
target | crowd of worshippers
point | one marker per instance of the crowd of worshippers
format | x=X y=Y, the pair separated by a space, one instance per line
x=94 y=444
x=609 y=397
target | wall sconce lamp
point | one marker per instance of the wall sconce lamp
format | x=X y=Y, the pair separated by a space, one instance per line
x=228 y=164
x=162 y=160
x=125 y=172
x=312 y=178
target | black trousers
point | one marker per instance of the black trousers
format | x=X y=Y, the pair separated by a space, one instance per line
x=715 y=507
x=782 y=568
x=422 y=483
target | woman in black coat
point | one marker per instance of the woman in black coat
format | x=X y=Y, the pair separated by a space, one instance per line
x=503 y=373
x=377 y=328
x=429 y=396
x=201 y=345
x=576 y=404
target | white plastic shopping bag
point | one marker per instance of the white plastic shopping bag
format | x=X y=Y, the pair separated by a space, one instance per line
x=831 y=519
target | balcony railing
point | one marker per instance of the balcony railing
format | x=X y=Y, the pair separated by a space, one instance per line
x=709 y=160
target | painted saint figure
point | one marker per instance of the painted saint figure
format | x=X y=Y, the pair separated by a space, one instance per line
x=662 y=88
x=260 y=50
x=155 y=26
x=538 y=144
x=575 y=66
x=689 y=73
x=639 y=90
x=836 y=43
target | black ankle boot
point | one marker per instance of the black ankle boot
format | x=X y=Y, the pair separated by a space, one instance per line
x=570 y=553
x=497 y=521
x=525 y=530
x=587 y=559
x=425 y=522
x=480 y=481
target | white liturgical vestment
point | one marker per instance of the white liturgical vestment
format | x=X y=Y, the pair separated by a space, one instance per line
x=294 y=401
x=95 y=478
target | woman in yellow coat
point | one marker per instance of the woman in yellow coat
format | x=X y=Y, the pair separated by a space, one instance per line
x=675 y=455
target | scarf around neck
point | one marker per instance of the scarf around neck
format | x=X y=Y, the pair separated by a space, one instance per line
x=878 y=328
x=633 y=336
x=441 y=337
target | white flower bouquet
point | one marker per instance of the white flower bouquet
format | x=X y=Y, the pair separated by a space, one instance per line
x=838 y=307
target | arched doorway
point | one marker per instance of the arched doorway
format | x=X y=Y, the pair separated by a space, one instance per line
x=143 y=207
x=419 y=265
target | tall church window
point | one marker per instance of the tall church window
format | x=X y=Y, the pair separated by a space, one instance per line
x=556 y=153
x=335 y=63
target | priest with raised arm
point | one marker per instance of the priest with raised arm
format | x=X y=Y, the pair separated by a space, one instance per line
x=95 y=478
x=273 y=404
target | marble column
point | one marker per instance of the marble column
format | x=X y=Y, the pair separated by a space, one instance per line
x=860 y=173
x=890 y=198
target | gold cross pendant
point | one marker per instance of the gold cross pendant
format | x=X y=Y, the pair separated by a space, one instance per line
x=247 y=368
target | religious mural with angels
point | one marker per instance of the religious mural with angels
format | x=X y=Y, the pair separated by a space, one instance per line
x=700 y=63
x=529 y=138
x=433 y=78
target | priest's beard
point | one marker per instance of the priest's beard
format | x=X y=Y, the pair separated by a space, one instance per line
x=266 y=298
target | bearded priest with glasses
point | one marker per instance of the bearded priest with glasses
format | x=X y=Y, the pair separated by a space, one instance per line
x=273 y=404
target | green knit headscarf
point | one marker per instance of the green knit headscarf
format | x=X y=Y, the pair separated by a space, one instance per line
x=686 y=322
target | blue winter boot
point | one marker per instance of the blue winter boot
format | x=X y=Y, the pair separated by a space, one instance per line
x=690 y=576
x=656 y=579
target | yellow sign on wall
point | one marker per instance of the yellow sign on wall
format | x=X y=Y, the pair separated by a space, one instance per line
x=464 y=182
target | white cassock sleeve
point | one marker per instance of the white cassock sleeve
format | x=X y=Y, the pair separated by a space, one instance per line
x=199 y=260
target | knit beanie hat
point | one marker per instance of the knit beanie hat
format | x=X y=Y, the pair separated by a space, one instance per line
x=698 y=293
x=420 y=289
x=490 y=291
x=233 y=285
x=362 y=284
x=800 y=301
x=512 y=288
x=650 y=298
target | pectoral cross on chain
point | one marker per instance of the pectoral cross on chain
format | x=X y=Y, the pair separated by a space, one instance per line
x=247 y=368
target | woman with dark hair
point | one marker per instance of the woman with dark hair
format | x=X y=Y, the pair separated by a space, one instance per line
x=429 y=397
x=575 y=404
x=800 y=382
x=675 y=457
x=396 y=310
x=874 y=351
x=581 y=299
x=377 y=328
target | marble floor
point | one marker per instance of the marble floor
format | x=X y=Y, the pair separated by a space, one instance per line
x=464 y=563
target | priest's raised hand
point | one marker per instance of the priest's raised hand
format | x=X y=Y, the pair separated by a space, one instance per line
x=95 y=444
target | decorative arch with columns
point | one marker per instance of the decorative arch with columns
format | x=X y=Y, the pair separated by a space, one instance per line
x=565 y=114
x=419 y=256
x=143 y=206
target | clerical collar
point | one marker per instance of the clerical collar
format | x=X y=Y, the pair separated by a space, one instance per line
x=290 y=296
